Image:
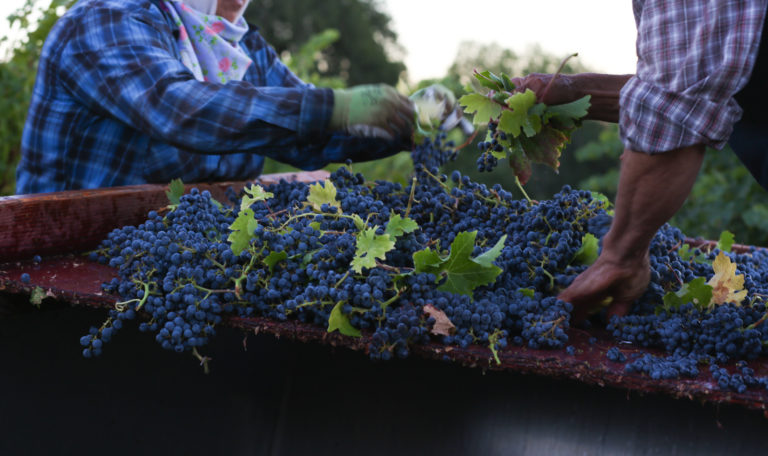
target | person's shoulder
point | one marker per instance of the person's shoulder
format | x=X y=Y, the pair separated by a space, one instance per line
x=115 y=8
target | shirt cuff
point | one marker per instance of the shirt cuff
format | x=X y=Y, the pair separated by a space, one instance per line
x=654 y=120
x=316 y=108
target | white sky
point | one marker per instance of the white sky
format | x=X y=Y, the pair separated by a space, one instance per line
x=601 y=31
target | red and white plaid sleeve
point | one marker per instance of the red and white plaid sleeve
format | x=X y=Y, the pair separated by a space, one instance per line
x=693 y=56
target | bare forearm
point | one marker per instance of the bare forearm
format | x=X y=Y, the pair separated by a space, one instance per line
x=651 y=189
x=604 y=90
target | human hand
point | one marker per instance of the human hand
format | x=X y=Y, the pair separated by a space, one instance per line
x=608 y=284
x=375 y=110
x=548 y=91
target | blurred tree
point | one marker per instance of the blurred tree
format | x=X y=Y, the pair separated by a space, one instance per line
x=17 y=76
x=367 y=45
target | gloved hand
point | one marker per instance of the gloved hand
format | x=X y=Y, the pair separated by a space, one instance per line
x=436 y=107
x=372 y=111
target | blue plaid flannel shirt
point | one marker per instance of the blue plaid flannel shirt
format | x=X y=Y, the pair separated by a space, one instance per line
x=114 y=105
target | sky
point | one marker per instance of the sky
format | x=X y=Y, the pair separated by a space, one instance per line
x=601 y=31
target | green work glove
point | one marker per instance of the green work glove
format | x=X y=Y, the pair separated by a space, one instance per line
x=372 y=111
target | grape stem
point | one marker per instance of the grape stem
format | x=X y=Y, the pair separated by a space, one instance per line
x=520 y=186
x=555 y=75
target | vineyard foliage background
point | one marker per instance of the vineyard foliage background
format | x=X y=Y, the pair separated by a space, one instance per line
x=352 y=42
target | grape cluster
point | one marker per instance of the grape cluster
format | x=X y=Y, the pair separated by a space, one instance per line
x=487 y=161
x=180 y=277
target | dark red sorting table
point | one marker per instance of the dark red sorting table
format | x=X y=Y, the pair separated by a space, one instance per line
x=60 y=227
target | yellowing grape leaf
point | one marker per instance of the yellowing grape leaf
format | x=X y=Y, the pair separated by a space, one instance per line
x=370 y=246
x=726 y=285
x=481 y=106
x=520 y=163
x=545 y=147
x=324 y=193
x=443 y=325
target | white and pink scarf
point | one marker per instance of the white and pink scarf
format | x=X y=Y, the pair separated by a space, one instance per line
x=209 y=44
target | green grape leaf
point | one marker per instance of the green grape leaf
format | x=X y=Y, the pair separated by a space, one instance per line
x=359 y=222
x=508 y=84
x=726 y=241
x=697 y=291
x=370 y=246
x=273 y=258
x=174 y=192
x=397 y=226
x=320 y=194
x=315 y=226
x=483 y=108
x=569 y=113
x=253 y=194
x=511 y=122
x=428 y=261
x=487 y=258
x=529 y=292
x=489 y=80
x=339 y=321
x=545 y=147
x=604 y=200
x=242 y=231
x=587 y=253
x=462 y=273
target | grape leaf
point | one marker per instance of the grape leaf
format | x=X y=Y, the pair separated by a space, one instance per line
x=339 y=321
x=273 y=258
x=697 y=292
x=320 y=194
x=726 y=285
x=726 y=241
x=253 y=194
x=489 y=256
x=397 y=226
x=462 y=273
x=512 y=121
x=371 y=246
x=483 y=108
x=174 y=192
x=489 y=80
x=587 y=253
x=428 y=261
x=242 y=231
x=443 y=325
x=520 y=163
x=359 y=223
x=529 y=292
x=545 y=147
x=569 y=113
x=508 y=85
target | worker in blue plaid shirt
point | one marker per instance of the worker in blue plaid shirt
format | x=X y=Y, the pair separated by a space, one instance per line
x=700 y=82
x=137 y=91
